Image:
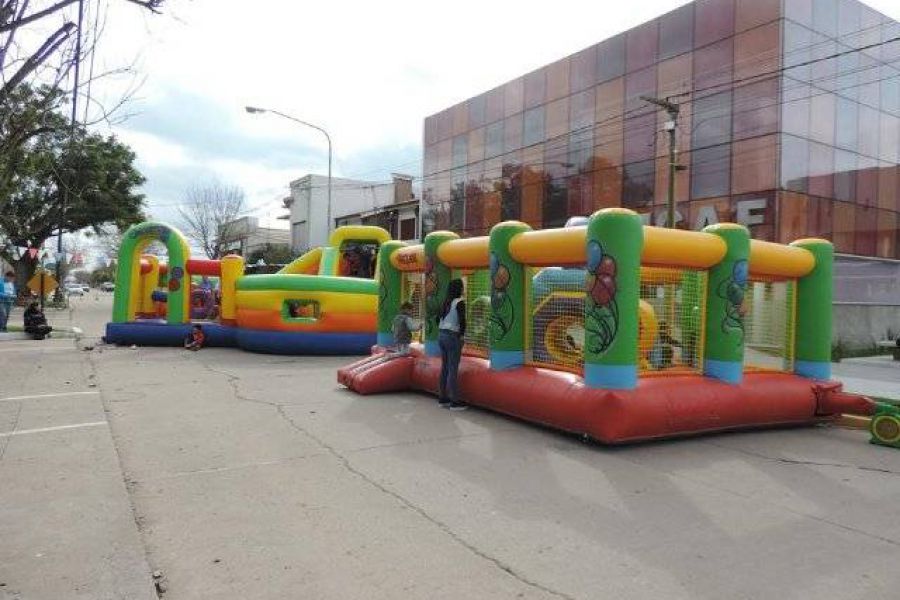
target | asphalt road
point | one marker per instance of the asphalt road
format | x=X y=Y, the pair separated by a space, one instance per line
x=247 y=476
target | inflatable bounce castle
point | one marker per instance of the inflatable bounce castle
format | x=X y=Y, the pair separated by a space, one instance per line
x=624 y=332
x=324 y=302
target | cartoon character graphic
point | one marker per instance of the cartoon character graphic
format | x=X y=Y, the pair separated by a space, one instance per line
x=732 y=291
x=602 y=317
x=503 y=312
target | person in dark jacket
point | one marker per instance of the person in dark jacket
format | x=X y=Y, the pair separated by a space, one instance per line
x=36 y=322
x=452 y=330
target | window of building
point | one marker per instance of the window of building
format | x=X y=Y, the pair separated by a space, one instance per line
x=408 y=229
x=755 y=110
x=845 y=165
x=795 y=110
x=825 y=16
x=535 y=88
x=494 y=140
x=713 y=67
x=849 y=20
x=637 y=84
x=714 y=20
x=611 y=58
x=753 y=13
x=581 y=151
x=799 y=11
x=641 y=46
x=889 y=138
x=847 y=132
x=460 y=118
x=557 y=118
x=583 y=70
x=494 y=105
x=712 y=120
x=514 y=97
x=610 y=100
x=866 y=181
x=823 y=71
x=822 y=117
x=757 y=52
x=640 y=138
x=476 y=145
x=869 y=131
x=460 y=150
x=794 y=163
x=512 y=133
x=890 y=90
x=754 y=164
x=534 y=126
x=711 y=172
x=638 y=184
x=558 y=80
x=445 y=124
x=477 y=108
x=676 y=32
x=848 y=68
x=797 y=43
x=431 y=130
x=581 y=109
x=821 y=170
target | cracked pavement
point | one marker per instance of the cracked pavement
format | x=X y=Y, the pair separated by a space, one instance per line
x=257 y=476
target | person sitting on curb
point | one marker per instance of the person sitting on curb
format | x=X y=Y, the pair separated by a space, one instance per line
x=36 y=322
x=194 y=341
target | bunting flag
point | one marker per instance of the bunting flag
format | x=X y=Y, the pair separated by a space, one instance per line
x=69 y=257
x=108 y=261
x=21 y=251
x=32 y=253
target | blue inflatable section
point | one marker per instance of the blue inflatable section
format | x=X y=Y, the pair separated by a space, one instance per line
x=160 y=333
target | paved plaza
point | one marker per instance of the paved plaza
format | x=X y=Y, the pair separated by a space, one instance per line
x=236 y=475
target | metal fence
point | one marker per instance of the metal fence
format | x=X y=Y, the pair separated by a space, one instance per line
x=554 y=330
x=671 y=320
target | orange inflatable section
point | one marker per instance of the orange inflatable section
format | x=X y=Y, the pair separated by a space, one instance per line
x=340 y=323
x=658 y=408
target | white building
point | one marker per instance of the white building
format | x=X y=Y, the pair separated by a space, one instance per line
x=393 y=206
x=245 y=236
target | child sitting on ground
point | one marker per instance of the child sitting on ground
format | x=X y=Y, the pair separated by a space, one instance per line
x=36 y=322
x=194 y=341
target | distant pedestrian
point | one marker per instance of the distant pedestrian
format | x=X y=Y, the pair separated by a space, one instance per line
x=7 y=298
x=36 y=322
x=195 y=340
x=452 y=329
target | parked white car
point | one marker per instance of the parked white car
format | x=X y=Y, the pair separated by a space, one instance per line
x=74 y=290
x=108 y=286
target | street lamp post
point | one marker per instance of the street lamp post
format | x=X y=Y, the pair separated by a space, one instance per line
x=254 y=110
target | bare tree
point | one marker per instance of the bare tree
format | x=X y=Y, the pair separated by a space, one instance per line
x=208 y=215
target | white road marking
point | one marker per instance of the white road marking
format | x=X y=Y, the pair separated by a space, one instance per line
x=35 y=396
x=48 y=429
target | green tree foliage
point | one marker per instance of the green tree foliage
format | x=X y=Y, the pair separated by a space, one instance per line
x=60 y=177
x=103 y=274
x=271 y=254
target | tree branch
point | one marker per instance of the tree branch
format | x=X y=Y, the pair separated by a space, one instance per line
x=37 y=16
x=49 y=46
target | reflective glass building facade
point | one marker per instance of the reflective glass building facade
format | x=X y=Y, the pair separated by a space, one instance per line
x=790 y=124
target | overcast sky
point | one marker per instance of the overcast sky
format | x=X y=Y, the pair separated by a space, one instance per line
x=368 y=72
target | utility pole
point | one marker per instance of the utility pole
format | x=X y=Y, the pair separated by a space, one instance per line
x=670 y=126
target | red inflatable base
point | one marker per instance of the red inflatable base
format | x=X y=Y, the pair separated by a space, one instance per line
x=660 y=407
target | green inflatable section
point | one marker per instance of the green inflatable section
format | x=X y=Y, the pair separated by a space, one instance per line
x=307 y=283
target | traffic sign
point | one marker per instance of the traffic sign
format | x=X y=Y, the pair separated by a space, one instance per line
x=42 y=283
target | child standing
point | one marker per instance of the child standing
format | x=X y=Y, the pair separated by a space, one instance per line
x=402 y=329
x=195 y=340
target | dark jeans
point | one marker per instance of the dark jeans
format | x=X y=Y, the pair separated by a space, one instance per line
x=38 y=332
x=451 y=348
x=6 y=307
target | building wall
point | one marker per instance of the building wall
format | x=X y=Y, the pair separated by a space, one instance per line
x=309 y=221
x=807 y=151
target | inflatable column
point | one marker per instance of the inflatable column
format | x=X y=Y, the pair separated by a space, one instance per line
x=724 y=355
x=390 y=292
x=615 y=238
x=232 y=268
x=149 y=283
x=812 y=349
x=437 y=278
x=508 y=298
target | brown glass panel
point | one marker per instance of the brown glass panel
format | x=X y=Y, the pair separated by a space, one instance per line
x=494 y=110
x=637 y=84
x=445 y=155
x=865 y=240
x=821 y=170
x=713 y=67
x=460 y=151
x=474 y=217
x=795 y=112
x=641 y=46
x=638 y=184
x=477 y=111
x=640 y=138
x=886 y=242
x=610 y=100
x=558 y=80
x=766 y=229
x=752 y=13
x=845 y=169
x=713 y=21
x=821 y=122
x=581 y=110
x=889 y=139
x=534 y=126
x=611 y=58
x=476 y=145
x=557 y=118
x=460 y=118
x=490 y=211
x=821 y=216
x=431 y=130
x=757 y=52
x=753 y=165
x=493 y=140
x=793 y=216
x=682 y=179
x=712 y=120
x=445 y=124
x=607 y=188
x=532 y=185
x=887 y=187
x=867 y=183
x=710 y=171
x=794 y=163
x=843 y=226
x=583 y=70
x=512 y=133
x=609 y=144
x=676 y=32
x=430 y=159
x=580 y=196
x=799 y=11
x=674 y=76
x=701 y=213
x=535 y=88
x=755 y=109
x=514 y=97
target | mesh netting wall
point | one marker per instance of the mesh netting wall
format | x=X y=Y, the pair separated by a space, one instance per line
x=478 y=312
x=769 y=325
x=671 y=320
x=555 y=330
x=414 y=293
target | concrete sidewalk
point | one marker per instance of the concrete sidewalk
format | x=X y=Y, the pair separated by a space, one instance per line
x=66 y=524
x=877 y=376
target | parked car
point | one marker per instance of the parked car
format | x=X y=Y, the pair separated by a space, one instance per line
x=108 y=286
x=74 y=290
x=85 y=288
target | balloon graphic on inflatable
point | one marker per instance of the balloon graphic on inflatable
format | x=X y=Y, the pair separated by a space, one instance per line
x=594 y=256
